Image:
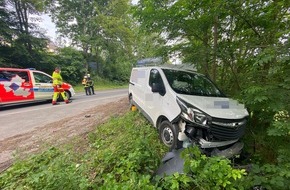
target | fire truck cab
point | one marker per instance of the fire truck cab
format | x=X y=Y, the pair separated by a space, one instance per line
x=18 y=86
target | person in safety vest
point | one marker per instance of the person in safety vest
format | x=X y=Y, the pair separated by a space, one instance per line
x=91 y=83
x=57 y=89
x=86 y=84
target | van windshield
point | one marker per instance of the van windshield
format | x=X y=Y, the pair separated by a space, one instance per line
x=183 y=82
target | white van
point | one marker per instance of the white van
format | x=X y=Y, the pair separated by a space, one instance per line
x=188 y=109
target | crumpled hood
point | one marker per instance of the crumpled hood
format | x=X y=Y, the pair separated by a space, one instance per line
x=218 y=107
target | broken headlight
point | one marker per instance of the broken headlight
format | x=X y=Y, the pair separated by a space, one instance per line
x=192 y=114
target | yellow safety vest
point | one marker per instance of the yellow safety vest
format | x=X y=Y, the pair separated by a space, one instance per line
x=57 y=79
x=84 y=81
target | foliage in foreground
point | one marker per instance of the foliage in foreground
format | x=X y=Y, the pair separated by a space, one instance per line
x=117 y=155
x=123 y=154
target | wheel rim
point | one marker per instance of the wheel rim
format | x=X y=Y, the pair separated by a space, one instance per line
x=167 y=136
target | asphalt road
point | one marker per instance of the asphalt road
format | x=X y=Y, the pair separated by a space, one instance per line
x=22 y=119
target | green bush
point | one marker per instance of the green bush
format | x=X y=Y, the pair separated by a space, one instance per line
x=53 y=169
x=202 y=172
x=124 y=153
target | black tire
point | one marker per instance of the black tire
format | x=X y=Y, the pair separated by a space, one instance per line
x=168 y=135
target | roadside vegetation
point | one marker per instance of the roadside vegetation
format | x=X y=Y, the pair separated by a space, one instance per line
x=124 y=153
x=243 y=46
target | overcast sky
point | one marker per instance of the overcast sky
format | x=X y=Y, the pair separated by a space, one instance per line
x=49 y=26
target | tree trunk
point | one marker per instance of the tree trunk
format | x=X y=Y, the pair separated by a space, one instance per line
x=18 y=12
x=22 y=14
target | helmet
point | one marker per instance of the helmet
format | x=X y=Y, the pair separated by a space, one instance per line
x=85 y=77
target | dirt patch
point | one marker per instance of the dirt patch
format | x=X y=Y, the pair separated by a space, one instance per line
x=58 y=133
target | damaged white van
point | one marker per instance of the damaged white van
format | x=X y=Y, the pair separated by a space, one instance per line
x=188 y=109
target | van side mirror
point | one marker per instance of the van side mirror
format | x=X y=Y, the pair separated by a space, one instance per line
x=159 y=88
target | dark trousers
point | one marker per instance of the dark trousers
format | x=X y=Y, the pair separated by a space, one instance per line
x=92 y=89
x=88 y=91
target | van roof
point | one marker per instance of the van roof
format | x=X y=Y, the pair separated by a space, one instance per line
x=182 y=67
x=17 y=69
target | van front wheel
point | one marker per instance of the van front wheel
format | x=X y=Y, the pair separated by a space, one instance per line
x=168 y=134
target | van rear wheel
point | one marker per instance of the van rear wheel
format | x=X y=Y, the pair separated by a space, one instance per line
x=168 y=134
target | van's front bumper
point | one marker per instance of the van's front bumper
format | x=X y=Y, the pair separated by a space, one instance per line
x=230 y=152
x=207 y=144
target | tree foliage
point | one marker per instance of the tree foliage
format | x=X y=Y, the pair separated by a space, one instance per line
x=101 y=29
x=22 y=44
x=241 y=45
x=71 y=62
x=244 y=47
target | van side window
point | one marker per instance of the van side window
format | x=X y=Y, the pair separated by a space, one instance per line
x=41 y=78
x=8 y=75
x=4 y=76
x=156 y=82
x=155 y=77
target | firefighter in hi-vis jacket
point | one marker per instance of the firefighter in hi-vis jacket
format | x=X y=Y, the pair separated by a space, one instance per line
x=57 y=89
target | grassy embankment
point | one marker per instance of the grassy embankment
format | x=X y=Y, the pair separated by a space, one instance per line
x=124 y=150
x=123 y=153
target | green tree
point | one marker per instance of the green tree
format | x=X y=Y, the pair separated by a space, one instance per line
x=101 y=29
x=6 y=33
x=187 y=24
x=23 y=9
x=6 y=24
x=244 y=47
x=70 y=60
x=22 y=44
